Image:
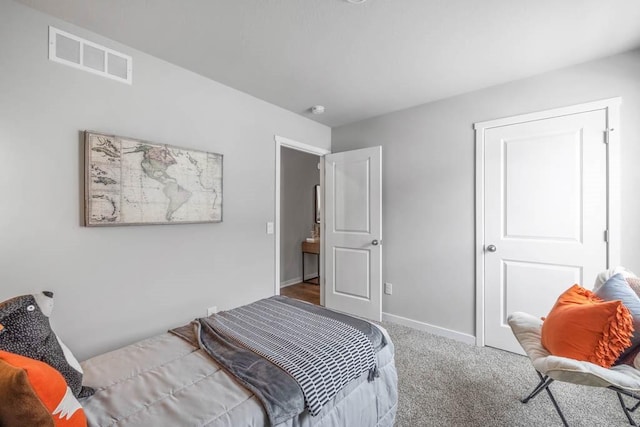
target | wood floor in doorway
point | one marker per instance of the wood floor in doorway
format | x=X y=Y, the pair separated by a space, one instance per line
x=303 y=291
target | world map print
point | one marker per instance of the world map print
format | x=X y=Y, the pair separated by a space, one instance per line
x=129 y=181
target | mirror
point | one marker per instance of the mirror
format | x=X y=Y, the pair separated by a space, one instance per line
x=316 y=190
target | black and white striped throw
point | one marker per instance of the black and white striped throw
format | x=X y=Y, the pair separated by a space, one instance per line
x=320 y=353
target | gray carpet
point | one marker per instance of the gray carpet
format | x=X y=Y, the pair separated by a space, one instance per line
x=443 y=382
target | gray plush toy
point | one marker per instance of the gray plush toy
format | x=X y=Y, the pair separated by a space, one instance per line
x=25 y=330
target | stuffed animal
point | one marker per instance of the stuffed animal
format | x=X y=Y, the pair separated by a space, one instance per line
x=34 y=394
x=25 y=330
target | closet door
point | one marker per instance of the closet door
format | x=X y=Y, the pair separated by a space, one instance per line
x=545 y=215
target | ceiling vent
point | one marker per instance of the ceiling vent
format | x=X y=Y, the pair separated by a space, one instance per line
x=77 y=52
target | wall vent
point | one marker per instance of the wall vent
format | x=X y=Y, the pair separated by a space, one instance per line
x=88 y=56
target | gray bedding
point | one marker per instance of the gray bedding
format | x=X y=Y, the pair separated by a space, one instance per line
x=278 y=392
x=166 y=381
x=291 y=355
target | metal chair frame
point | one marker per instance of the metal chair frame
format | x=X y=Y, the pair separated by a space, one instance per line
x=545 y=382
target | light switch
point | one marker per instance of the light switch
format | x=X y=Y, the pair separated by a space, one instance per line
x=269 y=227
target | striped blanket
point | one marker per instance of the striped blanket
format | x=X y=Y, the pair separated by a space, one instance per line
x=321 y=353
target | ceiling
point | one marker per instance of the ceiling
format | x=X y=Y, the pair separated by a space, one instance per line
x=361 y=61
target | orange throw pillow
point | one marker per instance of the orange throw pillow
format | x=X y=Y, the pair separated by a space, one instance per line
x=583 y=327
x=32 y=393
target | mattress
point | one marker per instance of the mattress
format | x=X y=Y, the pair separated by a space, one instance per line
x=165 y=381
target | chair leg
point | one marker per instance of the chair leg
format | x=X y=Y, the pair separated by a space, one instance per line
x=544 y=384
x=627 y=411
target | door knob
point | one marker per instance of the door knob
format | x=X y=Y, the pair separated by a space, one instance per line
x=374 y=242
x=491 y=248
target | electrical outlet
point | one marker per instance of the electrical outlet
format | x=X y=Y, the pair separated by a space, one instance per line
x=211 y=310
x=388 y=288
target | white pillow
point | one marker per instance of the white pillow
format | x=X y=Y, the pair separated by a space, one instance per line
x=606 y=275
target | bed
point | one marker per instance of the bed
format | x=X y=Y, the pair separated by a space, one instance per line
x=173 y=380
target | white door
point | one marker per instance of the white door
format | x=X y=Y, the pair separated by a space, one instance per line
x=353 y=232
x=545 y=217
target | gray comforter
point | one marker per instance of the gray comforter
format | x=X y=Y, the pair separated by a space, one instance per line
x=166 y=381
x=280 y=394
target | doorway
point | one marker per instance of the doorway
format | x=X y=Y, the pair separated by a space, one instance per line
x=350 y=228
x=298 y=254
x=547 y=211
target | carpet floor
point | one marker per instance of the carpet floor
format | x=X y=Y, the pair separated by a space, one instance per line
x=443 y=382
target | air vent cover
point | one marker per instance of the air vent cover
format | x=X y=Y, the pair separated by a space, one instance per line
x=77 y=52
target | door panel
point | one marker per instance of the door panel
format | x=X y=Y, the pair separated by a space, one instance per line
x=545 y=213
x=529 y=284
x=544 y=207
x=349 y=265
x=353 y=221
x=351 y=204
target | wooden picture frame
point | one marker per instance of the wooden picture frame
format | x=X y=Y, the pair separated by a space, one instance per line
x=134 y=182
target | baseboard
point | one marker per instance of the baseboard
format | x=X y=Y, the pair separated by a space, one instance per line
x=436 y=330
x=296 y=280
x=290 y=282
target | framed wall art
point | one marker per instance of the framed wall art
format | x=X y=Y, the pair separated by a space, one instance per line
x=130 y=181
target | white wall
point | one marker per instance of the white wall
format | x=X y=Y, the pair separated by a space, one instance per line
x=119 y=284
x=299 y=174
x=428 y=182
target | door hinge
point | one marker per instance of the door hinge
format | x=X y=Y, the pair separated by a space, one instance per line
x=607 y=135
x=606 y=236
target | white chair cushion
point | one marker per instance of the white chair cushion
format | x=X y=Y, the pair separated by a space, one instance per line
x=527 y=328
x=607 y=274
